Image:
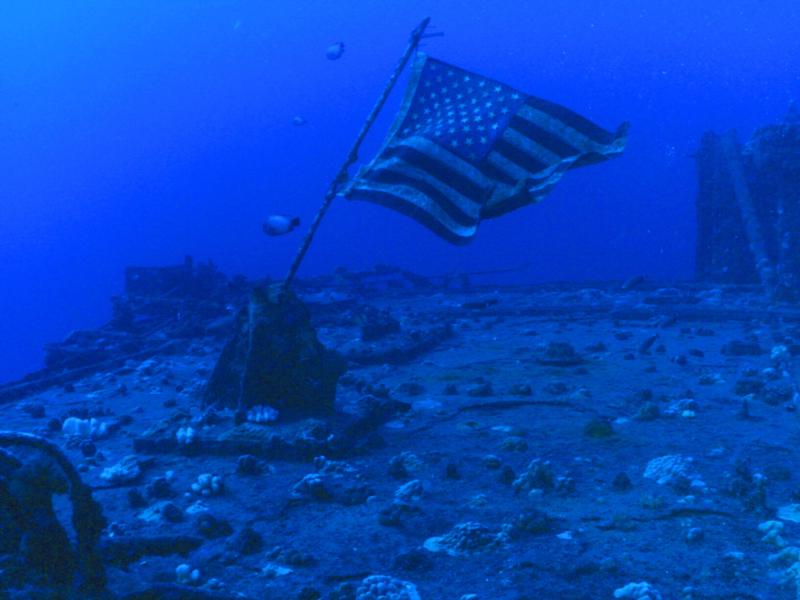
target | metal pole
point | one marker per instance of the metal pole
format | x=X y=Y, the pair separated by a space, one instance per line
x=352 y=156
x=747 y=211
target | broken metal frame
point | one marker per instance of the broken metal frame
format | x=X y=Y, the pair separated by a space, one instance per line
x=87 y=517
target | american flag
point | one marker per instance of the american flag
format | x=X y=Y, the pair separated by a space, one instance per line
x=465 y=148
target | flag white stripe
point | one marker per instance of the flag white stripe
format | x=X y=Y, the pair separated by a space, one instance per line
x=530 y=147
x=413 y=197
x=465 y=205
x=571 y=136
x=511 y=169
x=444 y=156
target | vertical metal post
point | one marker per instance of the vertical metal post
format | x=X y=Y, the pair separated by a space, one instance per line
x=747 y=211
x=352 y=156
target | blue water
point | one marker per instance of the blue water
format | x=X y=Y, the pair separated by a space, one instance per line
x=136 y=132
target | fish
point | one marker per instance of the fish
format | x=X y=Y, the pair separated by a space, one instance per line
x=280 y=225
x=644 y=347
x=299 y=121
x=335 y=51
x=633 y=282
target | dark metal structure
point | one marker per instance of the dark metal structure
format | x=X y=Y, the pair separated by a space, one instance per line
x=748 y=208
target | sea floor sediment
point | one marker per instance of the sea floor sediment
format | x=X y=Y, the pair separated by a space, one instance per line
x=552 y=441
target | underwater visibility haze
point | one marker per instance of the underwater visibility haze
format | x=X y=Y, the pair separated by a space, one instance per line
x=137 y=133
x=550 y=382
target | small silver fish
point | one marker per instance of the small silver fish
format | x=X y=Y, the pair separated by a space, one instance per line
x=280 y=225
x=299 y=121
x=335 y=51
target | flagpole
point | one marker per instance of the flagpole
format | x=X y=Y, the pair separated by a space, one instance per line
x=352 y=156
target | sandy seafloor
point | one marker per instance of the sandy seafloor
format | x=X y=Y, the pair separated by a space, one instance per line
x=509 y=478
